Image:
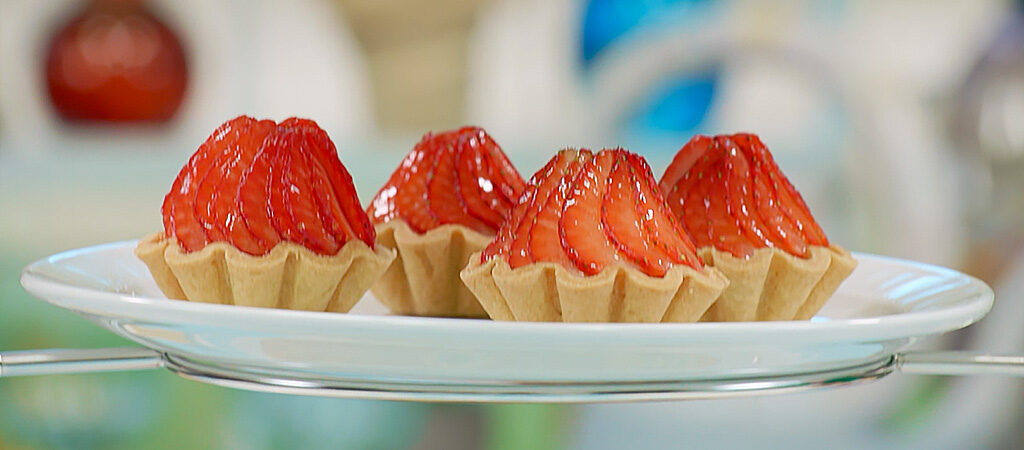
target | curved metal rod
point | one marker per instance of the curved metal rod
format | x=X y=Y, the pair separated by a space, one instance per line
x=526 y=391
x=67 y=361
x=961 y=363
x=56 y=361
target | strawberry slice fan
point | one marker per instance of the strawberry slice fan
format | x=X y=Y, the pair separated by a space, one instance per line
x=444 y=202
x=592 y=240
x=264 y=214
x=750 y=222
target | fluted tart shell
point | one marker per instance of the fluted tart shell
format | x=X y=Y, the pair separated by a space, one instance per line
x=548 y=292
x=290 y=276
x=424 y=278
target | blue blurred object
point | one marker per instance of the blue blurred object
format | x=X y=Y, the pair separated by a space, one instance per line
x=605 y=21
x=679 y=105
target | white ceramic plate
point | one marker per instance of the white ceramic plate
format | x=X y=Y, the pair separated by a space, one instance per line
x=881 y=309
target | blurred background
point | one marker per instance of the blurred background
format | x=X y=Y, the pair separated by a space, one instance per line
x=902 y=123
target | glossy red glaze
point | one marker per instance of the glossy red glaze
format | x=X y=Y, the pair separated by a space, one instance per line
x=588 y=211
x=729 y=193
x=256 y=183
x=455 y=177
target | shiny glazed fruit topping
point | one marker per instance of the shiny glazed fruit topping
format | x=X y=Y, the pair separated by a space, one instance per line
x=730 y=194
x=456 y=177
x=255 y=183
x=588 y=212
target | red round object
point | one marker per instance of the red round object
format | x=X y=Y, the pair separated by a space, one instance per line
x=116 y=62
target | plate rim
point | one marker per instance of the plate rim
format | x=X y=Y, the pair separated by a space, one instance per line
x=896 y=326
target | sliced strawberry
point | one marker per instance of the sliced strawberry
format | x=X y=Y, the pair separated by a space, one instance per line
x=722 y=230
x=544 y=239
x=682 y=162
x=345 y=194
x=411 y=200
x=783 y=233
x=179 y=204
x=167 y=208
x=442 y=199
x=454 y=177
x=382 y=207
x=444 y=193
x=622 y=221
x=581 y=210
x=660 y=226
x=238 y=145
x=734 y=176
x=330 y=209
x=725 y=234
x=473 y=187
x=676 y=181
x=509 y=183
x=318 y=153
x=583 y=236
x=790 y=201
x=503 y=239
x=694 y=214
x=298 y=123
x=498 y=246
x=482 y=196
x=519 y=247
x=278 y=185
x=207 y=184
x=256 y=183
x=747 y=202
x=300 y=198
x=230 y=225
x=501 y=245
x=325 y=160
x=691 y=205
x=254 y=203
x=187 y=230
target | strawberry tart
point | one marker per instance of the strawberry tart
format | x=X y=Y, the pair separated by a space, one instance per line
x=592 y=240
x=750 y=222
x=264 y=214
x=444 y=202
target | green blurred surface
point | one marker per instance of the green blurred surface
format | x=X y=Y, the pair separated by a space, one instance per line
x=534 y=427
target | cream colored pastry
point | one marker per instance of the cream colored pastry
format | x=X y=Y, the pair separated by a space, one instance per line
x=774 y=285
x=548 y=292
x=290 y=276
x=423 y=280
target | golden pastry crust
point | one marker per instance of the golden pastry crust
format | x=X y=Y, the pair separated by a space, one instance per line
x=548 y=292
x=774 y=285
x=290 y=276
x=424 y=279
